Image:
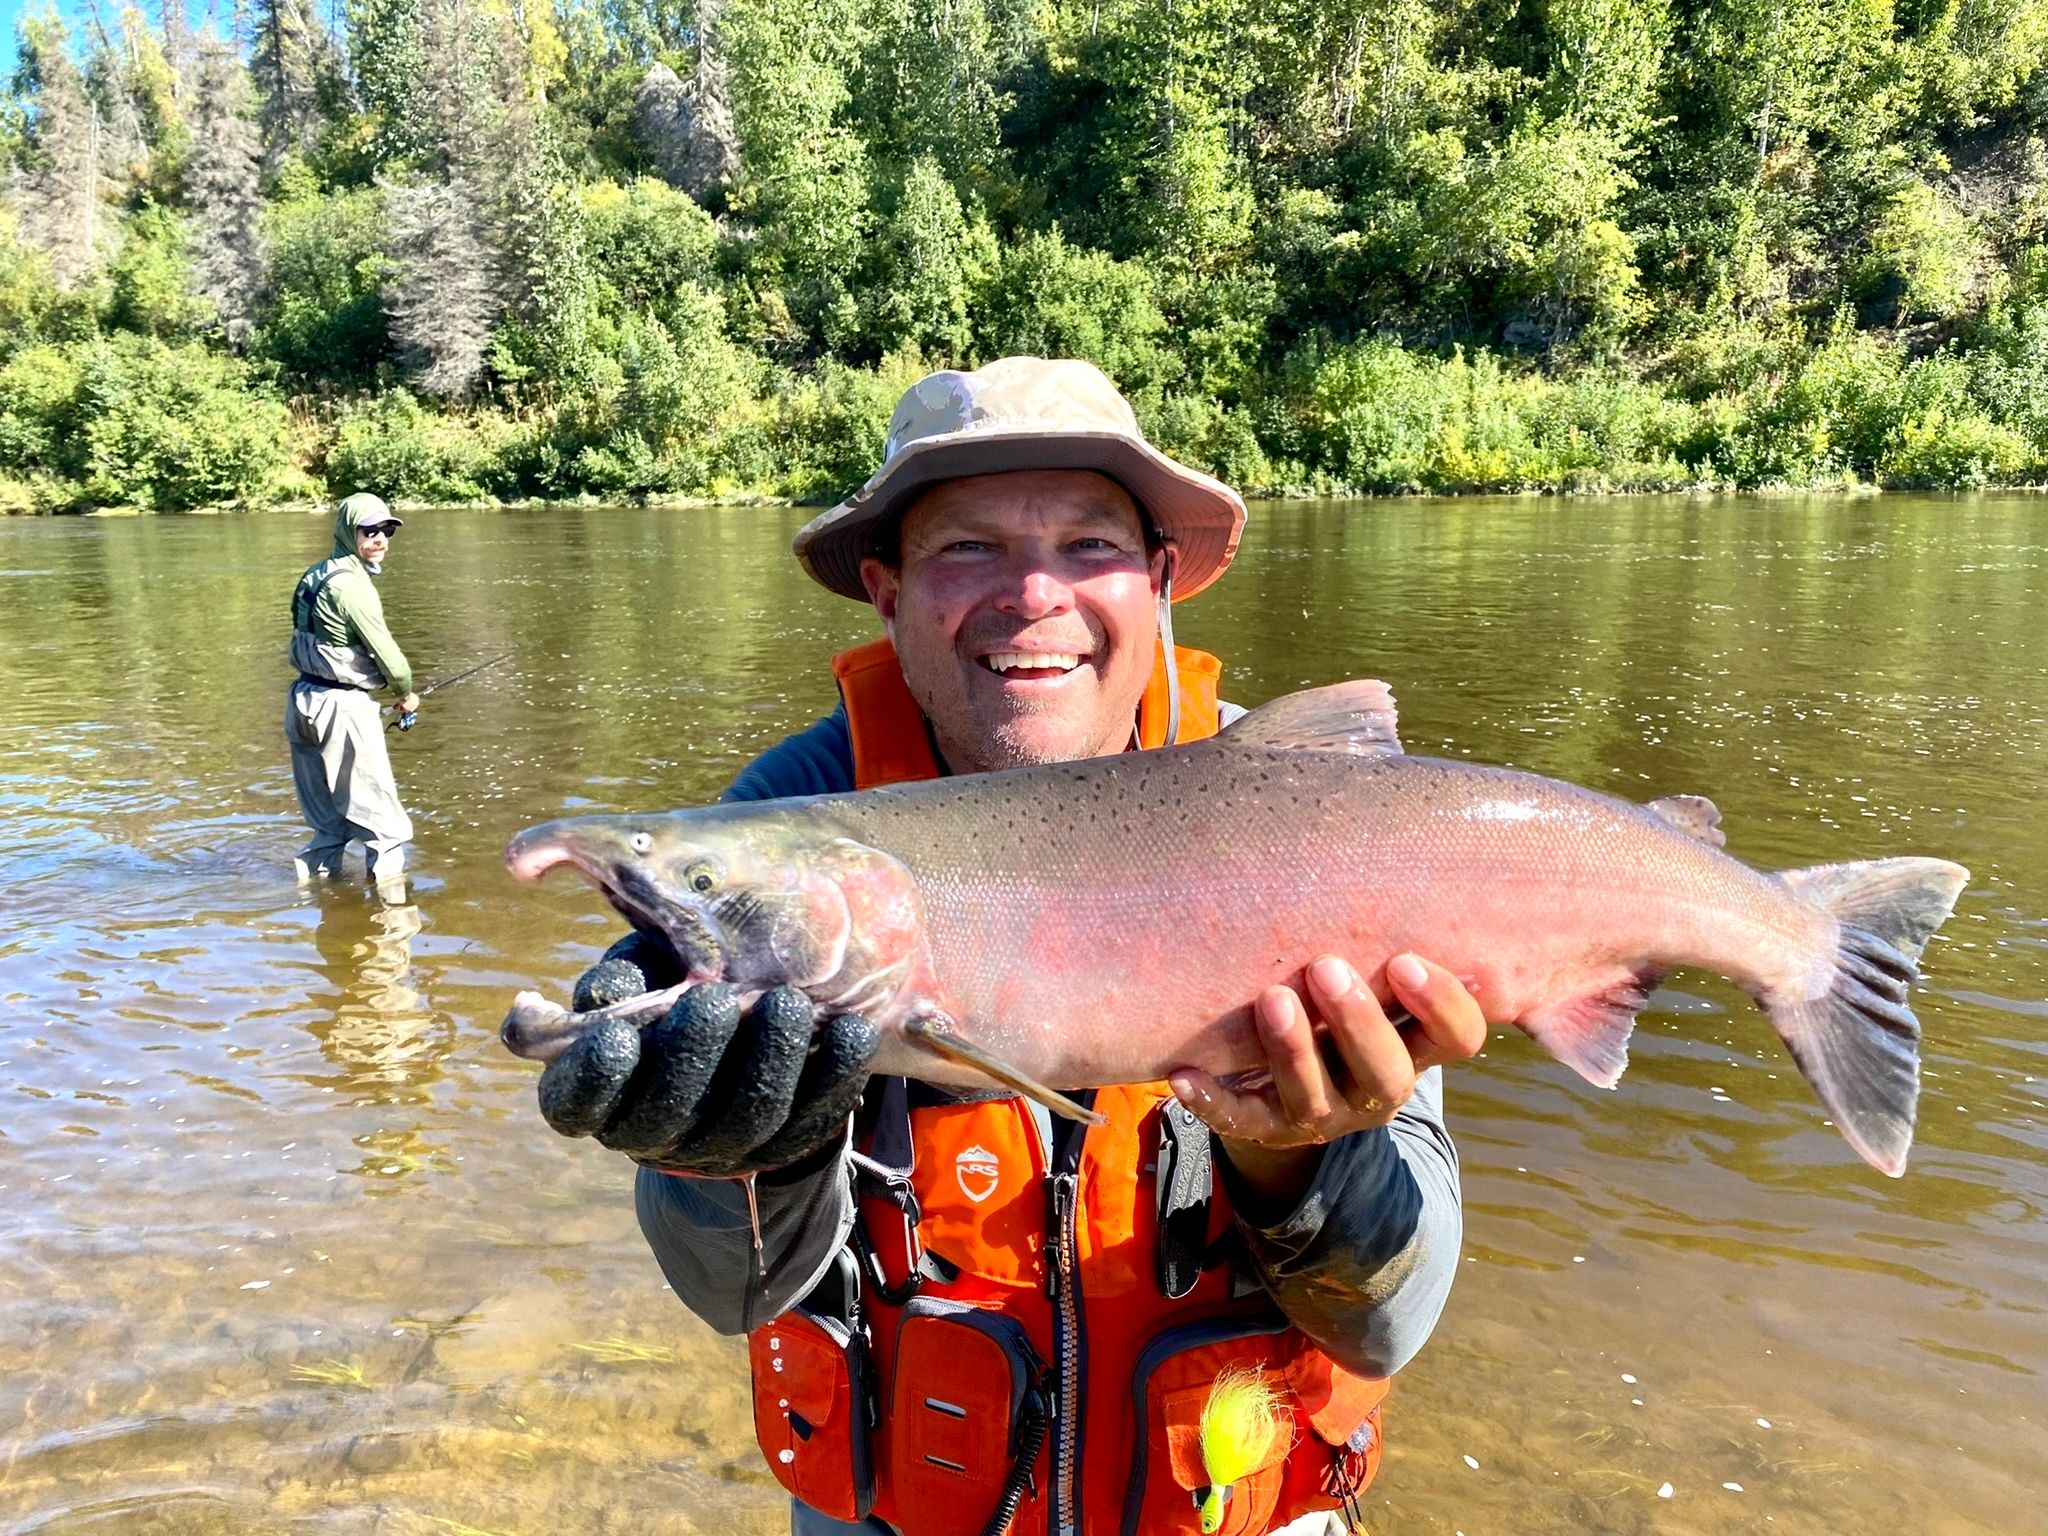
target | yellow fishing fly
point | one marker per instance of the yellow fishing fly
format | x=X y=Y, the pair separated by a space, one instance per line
x=1241 y=1425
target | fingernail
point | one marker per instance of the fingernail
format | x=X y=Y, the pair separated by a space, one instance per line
x=1332 y=977
x=1185 y=1090
x=1408 y=973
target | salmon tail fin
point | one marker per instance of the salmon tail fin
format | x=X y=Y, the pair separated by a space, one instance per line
x=936 y=1034
x=1857 y=1041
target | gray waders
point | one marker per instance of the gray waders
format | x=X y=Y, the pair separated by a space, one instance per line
x=343 y=775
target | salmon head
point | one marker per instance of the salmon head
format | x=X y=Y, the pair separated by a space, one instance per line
x=750 y=896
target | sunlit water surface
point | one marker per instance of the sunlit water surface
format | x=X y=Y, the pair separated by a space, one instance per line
x=286 y=1246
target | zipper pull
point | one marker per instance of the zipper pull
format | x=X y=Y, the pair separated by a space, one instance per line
x=1059 y=1201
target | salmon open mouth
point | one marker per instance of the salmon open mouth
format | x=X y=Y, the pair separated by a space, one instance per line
x=539 y=1029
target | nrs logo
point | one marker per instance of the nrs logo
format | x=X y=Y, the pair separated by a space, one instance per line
x=978 y=1173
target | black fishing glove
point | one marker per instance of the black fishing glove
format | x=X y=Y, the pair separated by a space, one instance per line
x=711 y=1089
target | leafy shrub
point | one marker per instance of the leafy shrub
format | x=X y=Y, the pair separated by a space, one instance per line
x=1211 y=436
x=661 y=404
x=1951 y=448
x=1924 y=253
x=829 y=427
x=149 y=281
x=323 y=262
x=394 y=446
x=1831 y=422
x=646 y=242
x=1942 y=438
x=39 y=425
x=133 y=420
x=1052 y=299
x=177 y=426
x=26 y=291
x=2009 y=374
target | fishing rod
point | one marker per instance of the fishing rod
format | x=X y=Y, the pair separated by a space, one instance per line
x=406 y=721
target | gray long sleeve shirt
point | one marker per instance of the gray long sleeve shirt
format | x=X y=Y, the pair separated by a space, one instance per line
x=1363 y=1264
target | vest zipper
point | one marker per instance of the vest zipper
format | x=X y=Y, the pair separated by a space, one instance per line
x=1063 y=1286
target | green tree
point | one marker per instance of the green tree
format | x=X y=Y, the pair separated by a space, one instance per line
x=804 y=173
x=929 y=263
x=1052 y=299
x=324 y=268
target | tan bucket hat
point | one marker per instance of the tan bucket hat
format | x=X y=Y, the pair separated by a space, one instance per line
x=1025 y=413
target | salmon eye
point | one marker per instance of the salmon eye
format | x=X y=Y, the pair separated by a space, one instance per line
x=702 y=877
x=642 y=842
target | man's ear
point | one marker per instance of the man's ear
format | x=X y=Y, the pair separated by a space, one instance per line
x=884 y=584
x=1155 y=567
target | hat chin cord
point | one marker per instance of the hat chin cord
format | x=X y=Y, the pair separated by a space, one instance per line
x=1166 y=642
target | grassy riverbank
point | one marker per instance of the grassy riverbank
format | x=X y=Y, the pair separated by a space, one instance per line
x=469 y=251
x=163 y=428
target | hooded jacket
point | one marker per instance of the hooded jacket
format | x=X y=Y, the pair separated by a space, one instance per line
x=338 y=629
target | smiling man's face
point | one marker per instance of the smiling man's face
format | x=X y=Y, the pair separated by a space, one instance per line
x=1023 y=611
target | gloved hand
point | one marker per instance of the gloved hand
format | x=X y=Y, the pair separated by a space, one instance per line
x=711 y=1089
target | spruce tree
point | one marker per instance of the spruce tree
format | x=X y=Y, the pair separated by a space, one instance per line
x=444 y=296
x=686 y=127
x=63 y=213
x=292 y=62
x=177 y=28
x=223 y=190
x=448 y=284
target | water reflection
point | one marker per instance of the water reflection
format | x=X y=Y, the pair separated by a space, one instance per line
x=288 y=1247
x=374 y=1022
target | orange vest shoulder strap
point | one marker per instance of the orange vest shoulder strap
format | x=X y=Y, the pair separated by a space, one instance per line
x=891 y=744
x=1199 y=675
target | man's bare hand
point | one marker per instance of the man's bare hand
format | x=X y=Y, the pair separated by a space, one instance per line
x=1353 y=1079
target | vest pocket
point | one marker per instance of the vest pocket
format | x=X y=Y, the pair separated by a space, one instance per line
x=1168 y=1477
x=812 y=1411
x=964 y=1391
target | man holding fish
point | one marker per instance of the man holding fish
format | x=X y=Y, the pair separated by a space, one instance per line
x=1033 y=866
x=1021 y=546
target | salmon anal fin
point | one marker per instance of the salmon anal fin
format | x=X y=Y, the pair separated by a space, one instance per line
x=1589 y=1033
x=1355 y=717
x=1694 y=815
x=935 y=1033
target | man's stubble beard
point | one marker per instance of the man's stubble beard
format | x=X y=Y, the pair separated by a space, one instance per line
x=1010 y=742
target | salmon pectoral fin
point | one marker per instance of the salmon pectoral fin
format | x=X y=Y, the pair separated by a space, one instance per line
x=1858 y=1042
x=935 y=1033
x=1589 y=1033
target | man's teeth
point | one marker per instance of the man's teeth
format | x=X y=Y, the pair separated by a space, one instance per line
x=1011 y=661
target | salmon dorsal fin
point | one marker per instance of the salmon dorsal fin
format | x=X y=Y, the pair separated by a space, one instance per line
x=1589 y=1033
x=1694 y=815
x=1355 y=717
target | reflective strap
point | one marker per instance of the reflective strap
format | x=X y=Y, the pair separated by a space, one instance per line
x=886 y=1212
x=1166 y=649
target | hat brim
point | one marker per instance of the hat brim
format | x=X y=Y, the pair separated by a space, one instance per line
x=1203 y=516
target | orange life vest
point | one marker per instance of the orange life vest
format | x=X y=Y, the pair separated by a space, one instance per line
x=1014 y=1342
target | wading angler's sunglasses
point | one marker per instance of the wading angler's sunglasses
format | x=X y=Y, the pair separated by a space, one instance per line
x=389 y=530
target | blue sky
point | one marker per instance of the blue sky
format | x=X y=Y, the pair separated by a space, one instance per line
x=77 y=12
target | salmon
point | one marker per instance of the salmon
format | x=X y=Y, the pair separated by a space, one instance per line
x=1110 y=920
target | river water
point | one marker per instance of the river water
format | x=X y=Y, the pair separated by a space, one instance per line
x=286 y=1247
